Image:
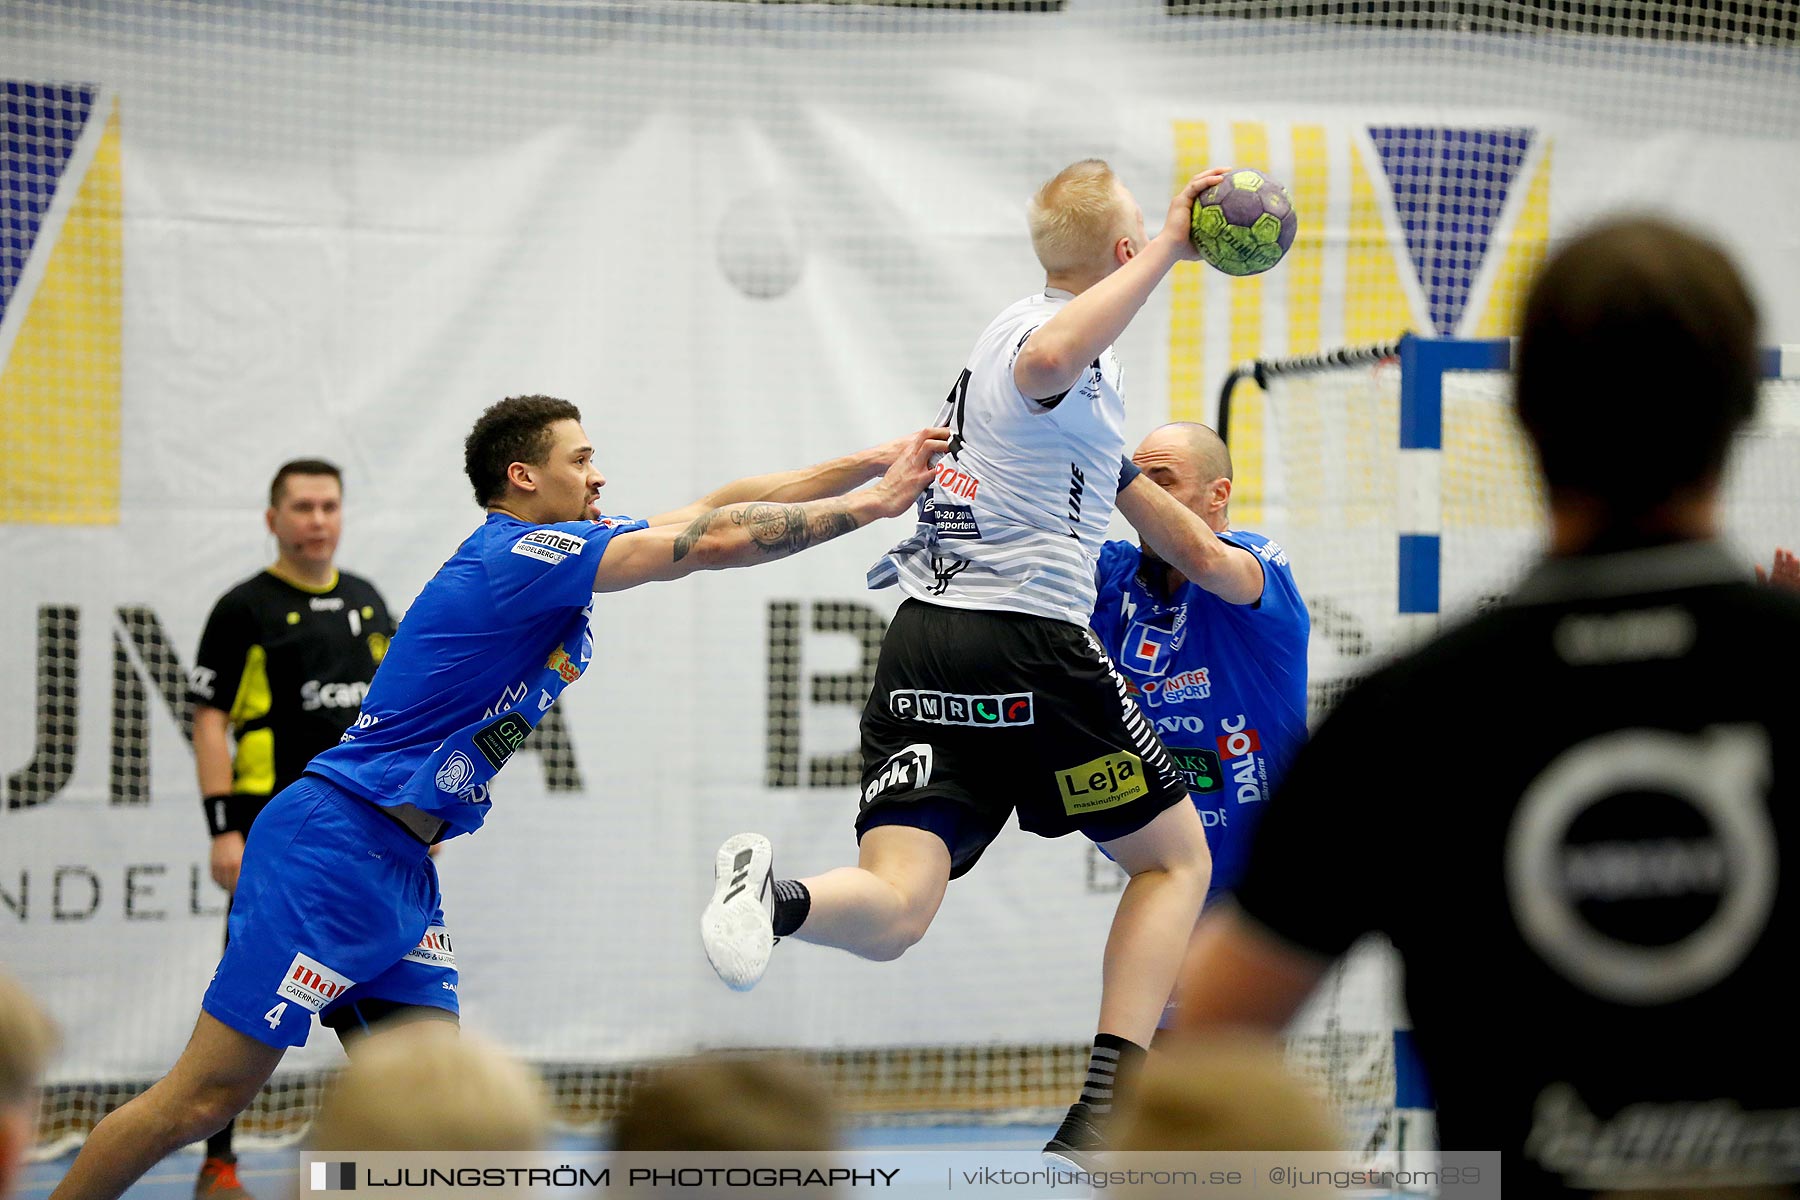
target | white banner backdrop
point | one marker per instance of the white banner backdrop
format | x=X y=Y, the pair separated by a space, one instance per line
x=741 y=241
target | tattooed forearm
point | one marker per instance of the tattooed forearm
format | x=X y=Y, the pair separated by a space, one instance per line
x=783 y=529
x=778 y=529
x=829 y=524
x=694 y=531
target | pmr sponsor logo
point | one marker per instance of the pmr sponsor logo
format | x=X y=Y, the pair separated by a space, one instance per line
x=563 y=665
x=434 y=949
x=948 y=708
x=497 y=742
x=908 y=769
x=315 y=695
x=1247 y=765
x=311 y=984
x=456 y=774
x=1106 y=782
x=549 y=545
x=1199 y=769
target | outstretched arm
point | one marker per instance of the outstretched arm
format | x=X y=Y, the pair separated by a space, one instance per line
x=1062 y=348
x=744 y=534
x=833 y=477
x=1188 y=544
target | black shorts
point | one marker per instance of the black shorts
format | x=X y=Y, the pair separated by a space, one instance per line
x=975 y=714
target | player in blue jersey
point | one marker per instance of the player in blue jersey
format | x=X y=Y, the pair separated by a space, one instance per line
x=337 y=910
x=1216 y=661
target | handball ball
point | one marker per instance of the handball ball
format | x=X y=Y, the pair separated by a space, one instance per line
x=1243 y=224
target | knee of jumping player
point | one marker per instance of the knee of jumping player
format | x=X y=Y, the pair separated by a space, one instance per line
x=899 y=937
x=904 y=928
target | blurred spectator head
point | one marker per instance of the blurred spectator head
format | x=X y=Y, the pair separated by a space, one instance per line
x=27 y=1040
x=728 y=1102
x=426 y=1086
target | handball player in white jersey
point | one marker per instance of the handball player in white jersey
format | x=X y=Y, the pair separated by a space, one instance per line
x=991 y=696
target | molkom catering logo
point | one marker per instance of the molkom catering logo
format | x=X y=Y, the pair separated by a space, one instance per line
x=61 y=256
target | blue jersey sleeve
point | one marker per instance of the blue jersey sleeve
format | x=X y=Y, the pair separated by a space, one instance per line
x=1280 y=599
x=539 y=568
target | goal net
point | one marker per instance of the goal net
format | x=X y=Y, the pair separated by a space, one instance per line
x=1341 y=496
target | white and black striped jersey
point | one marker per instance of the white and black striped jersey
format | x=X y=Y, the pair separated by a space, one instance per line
x=1018 y=512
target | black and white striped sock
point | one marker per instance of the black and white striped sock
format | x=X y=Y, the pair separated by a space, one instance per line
x=792 y=904
x=1110 y=1066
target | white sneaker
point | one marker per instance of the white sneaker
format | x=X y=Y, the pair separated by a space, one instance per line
x=737 y=927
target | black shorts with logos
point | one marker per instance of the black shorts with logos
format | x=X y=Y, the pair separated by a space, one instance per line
x=975 y=714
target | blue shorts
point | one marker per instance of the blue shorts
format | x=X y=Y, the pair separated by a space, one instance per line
x=335 y=904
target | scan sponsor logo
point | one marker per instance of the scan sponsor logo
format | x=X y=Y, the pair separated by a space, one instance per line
x=456 y=774
x=1199 y=769
x=311 y=984
x=434 y=949
x=1246 y=764
x=908 y=769
x=1106 y=782
x=949 y=708
x=315 y=695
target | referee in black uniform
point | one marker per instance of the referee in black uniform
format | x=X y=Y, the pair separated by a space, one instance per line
x=283 y=664
x=1574 y=814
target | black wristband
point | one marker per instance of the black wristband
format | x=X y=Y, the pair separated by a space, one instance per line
x=229 y=812
x=1128 y=471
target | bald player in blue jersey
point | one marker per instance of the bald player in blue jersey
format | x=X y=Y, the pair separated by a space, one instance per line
x=337 y=910
x=1216 y=661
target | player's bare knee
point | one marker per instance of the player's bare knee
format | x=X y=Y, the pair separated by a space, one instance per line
x=200 y=1113
x=901 y=935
